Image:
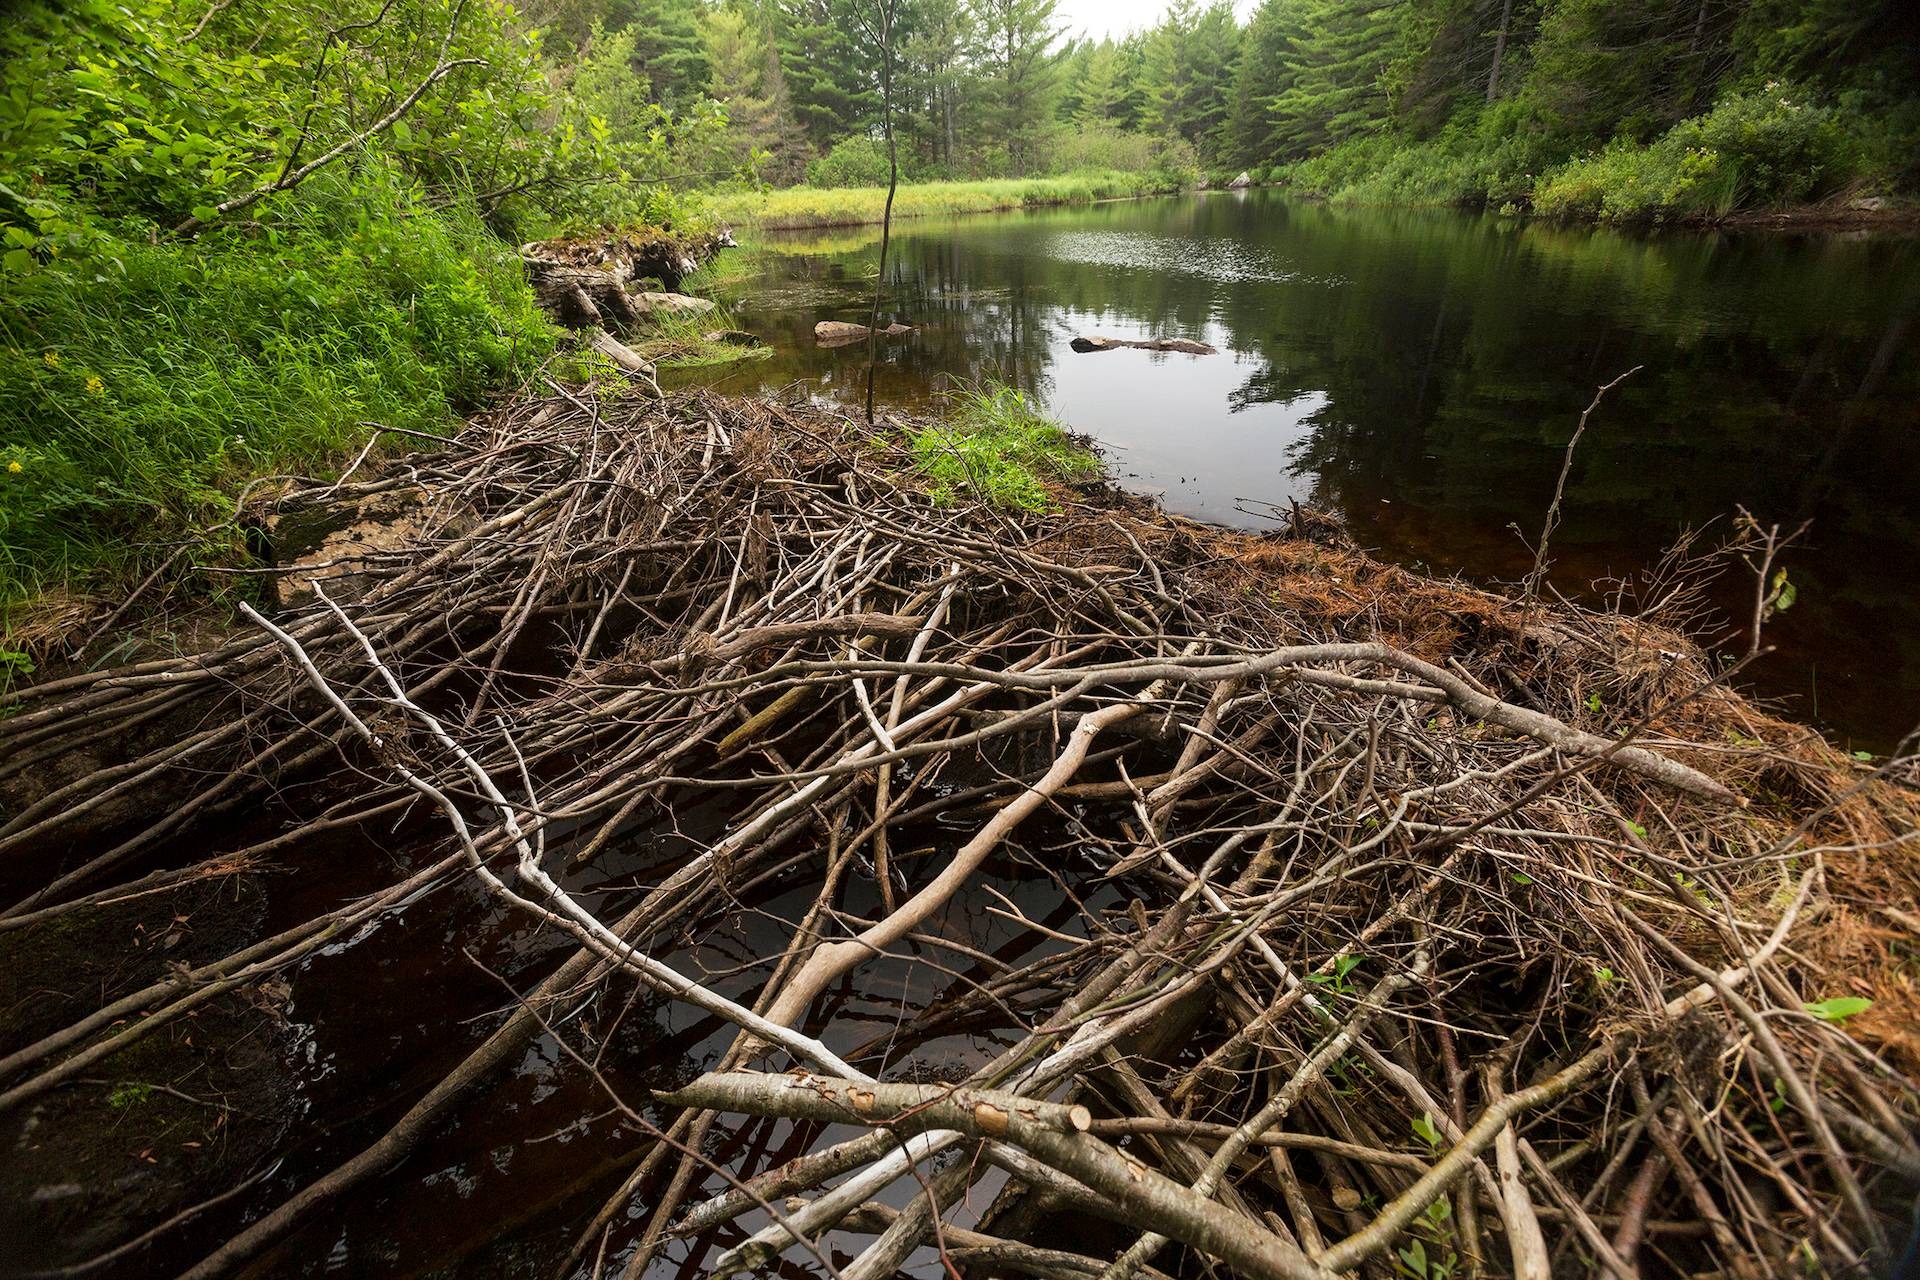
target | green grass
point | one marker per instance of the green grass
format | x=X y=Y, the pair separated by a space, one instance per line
x=141 y=390
x=799 y=207
x=995 y=446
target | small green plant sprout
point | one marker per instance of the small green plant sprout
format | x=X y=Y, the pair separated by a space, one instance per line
x=1639 y=832
x=1783 y=593
x=1433 y=1227
x=1337 y=980
x=1839 y=1008
x=1521 y=877
x=1692 y=886
x=1423 y=1129
x=1778 y=1102
x=129 y=1093
x=1602 y=977
x=1864 y=757
x=14 y=664
x=1593 y=703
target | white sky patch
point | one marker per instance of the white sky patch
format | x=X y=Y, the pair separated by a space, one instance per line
x=1102 y=18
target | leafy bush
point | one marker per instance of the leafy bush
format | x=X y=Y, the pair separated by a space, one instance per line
x=1770 y=147
x=1098 y=147
x=233 y=235
x=853 y=162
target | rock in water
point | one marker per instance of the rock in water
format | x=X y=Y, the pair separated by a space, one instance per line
x=840 y=333
x=1182 y=345
x=1242 y=182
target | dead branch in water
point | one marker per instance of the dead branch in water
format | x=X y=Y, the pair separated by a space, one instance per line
x=1387 y=936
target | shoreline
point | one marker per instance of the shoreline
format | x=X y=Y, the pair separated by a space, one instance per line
x=1901 y=219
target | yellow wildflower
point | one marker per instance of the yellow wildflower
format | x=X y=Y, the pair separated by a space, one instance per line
x=15 y=467
x=52 y=359
x=95 y=386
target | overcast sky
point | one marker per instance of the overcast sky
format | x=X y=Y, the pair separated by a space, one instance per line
x=1099 y=18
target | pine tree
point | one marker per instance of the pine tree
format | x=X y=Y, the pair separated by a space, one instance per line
x=667 y=48
x=746 y=77
x=1020 y=75
x=1337 y=93
x=828 y=70
x=1099 y=87
x=932 y=90
x=1269 y=60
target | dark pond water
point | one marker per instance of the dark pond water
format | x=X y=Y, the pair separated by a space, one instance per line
x=1421 y=371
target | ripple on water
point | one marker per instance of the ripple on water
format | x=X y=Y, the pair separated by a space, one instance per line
x=1214 y=257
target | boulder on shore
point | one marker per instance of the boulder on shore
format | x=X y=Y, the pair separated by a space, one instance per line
x=839 y=333
x=1242 y=182
x=1182 y=345
x=648 y=303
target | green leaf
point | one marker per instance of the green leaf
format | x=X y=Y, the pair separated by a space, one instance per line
x=1784 y=592
x=1424 y=1130
x=1521 y=877
x=1863 y=755
x=1639 y=831
x=1839 y=1008
x=17 y=261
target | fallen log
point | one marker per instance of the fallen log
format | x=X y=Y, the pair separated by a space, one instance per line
x=619 y=352
x=1183 y=345
x=585 y=284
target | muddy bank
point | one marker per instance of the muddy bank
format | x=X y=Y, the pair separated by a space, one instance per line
x=674 y=718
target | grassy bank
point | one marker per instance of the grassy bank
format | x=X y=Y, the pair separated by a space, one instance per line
x=796 y=208
x=996 y=446
x=134 y=403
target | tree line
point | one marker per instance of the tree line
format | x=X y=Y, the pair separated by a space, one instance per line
x=989 y=88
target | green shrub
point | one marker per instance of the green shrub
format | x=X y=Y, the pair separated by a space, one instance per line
x=1099 y=147
x=853 y=162
x=1759 y=149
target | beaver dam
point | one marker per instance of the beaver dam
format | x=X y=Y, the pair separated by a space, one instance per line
x=656 y=838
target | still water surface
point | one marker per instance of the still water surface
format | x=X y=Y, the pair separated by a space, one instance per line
x=1420 y=371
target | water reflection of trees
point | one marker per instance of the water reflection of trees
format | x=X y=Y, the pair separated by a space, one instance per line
x=1454 y=353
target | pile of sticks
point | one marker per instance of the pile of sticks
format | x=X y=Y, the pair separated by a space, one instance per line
x=1421 y=962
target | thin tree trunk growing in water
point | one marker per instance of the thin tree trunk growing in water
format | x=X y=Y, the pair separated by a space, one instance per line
x=1499 y=48
x=893 y=183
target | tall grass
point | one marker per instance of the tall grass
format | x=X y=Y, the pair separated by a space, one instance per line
x=996 y=446
x=800 y=207
x=140 y=390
